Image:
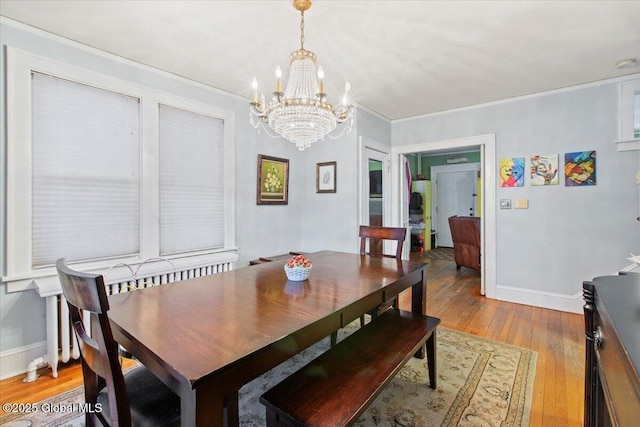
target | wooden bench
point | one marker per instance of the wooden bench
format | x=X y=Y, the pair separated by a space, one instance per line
x=335 y=388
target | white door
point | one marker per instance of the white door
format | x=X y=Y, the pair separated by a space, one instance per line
x=455 y=195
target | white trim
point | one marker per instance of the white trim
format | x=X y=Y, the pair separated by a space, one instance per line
x=373 y=113
x=365 y=144
x=569 y=303
x=523 y=97
x=630 y=145
x=14 y=361
x=488 y=228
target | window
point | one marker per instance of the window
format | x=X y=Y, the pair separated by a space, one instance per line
x=629 y=111
x=191 y=181
x=86 y=172
x=101 y=171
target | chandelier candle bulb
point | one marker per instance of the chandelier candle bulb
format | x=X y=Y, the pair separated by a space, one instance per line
x=278 y=79
x=320 y=80
x=254 y=86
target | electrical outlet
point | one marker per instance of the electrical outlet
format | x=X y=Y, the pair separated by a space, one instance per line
x=505 y=203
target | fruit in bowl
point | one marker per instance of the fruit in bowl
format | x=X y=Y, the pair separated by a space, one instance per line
x=299 y=261
x=298 y=268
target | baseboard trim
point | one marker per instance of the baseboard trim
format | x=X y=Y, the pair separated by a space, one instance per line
x=15 y=361
x=569 y=303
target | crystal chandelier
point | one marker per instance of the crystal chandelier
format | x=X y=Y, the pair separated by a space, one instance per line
x=302 y=113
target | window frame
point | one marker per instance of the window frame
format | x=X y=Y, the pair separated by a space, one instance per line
x=19 y=272
x=626 y=98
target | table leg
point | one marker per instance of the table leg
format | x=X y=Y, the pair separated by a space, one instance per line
x=431 y=359
x=232 y=416
x=418 y=305
x=204 y=406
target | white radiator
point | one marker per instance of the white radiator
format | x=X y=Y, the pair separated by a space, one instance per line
x=61 y=341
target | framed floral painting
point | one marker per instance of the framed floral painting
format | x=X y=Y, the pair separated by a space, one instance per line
x=273 y=180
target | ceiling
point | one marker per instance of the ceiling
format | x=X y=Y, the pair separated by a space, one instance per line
x=403 y=58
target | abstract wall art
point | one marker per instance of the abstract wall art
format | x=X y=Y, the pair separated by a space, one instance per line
x=512 y=172
x=580 y=168
x=544 y=169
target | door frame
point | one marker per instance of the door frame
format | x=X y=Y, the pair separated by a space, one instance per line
x=365 y=143
x=488 y=227
x=435 y=170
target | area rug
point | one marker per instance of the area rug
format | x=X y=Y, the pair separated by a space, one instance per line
x=480 y=382
x=439 y=253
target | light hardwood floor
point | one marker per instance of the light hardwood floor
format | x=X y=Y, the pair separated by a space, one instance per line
x=454 y=297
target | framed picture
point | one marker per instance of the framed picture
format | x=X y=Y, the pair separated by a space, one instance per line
x=326 y=177
x=580 y=168
x=544 y=169
x=512 y=172
x=273 y=180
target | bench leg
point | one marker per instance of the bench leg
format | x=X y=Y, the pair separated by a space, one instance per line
x=334 y=338
x=431 y=359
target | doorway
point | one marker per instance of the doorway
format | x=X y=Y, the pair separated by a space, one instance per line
x=487 y=146
x=454 y=193
x=375 y=200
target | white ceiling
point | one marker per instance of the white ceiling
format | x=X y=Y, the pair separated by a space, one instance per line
x=403 y=58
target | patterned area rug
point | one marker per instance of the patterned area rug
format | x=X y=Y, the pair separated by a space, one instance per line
x=439 y=253
x=480 y=382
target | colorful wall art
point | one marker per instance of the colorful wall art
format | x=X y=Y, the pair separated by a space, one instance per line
x=544 y=169
x=512 y=172
x=580 y=168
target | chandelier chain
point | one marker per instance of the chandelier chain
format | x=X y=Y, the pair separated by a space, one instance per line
x=302 y=29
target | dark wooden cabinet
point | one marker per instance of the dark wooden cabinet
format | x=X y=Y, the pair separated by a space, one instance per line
x=612 y=329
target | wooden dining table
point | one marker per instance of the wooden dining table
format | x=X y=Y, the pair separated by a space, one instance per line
x=208 y=336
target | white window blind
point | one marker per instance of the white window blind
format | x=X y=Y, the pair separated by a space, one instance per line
x=191 y=181
x=86 y=172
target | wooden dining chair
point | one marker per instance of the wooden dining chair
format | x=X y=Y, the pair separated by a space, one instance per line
x=137 y=398
x=376 y=235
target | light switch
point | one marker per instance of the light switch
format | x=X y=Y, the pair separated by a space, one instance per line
x=522 y=204
x=505 y=203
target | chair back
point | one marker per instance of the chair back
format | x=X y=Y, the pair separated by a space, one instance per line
x=376 y=235
x=465 y=234
x=98 y=352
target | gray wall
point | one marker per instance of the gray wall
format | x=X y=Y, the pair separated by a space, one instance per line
x=568 y=234
x=330 y=221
